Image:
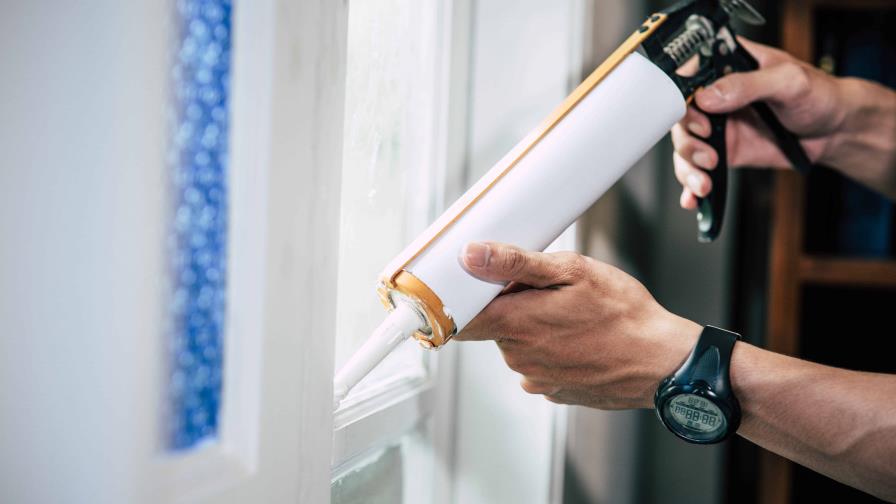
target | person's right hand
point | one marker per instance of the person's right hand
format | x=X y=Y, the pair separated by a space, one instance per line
x=806 y=100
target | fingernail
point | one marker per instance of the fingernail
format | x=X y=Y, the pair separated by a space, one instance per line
x=476 y=255
x=702 y=159
x=697 y=128
x=694 y=184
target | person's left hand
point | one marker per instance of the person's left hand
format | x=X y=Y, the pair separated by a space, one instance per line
x=578 y=330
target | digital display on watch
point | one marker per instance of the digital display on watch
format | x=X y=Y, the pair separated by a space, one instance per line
x=695 y=414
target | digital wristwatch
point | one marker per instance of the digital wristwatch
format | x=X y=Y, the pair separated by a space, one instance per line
x=696 y=402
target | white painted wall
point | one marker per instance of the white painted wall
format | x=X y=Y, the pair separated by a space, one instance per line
x=81 y=184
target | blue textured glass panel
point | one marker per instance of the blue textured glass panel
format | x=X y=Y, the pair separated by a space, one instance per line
x=197 y=238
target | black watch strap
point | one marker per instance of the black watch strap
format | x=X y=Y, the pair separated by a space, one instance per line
x=710 y=360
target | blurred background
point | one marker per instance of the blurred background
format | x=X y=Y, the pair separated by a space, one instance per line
x=196 y=197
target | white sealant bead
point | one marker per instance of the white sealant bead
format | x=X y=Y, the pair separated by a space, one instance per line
x=338 y=396
x=398 y=326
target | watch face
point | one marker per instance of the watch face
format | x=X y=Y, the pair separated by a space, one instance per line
x=695 y=417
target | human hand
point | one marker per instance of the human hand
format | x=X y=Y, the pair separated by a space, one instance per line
x=806 y=100
x=578 y=330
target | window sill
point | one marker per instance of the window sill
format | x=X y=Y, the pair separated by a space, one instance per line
x=371 y=422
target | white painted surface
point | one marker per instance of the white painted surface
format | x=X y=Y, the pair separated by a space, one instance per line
x=82 y=221
x=81 y=195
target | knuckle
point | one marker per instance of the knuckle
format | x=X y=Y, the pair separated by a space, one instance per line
x=681 y=142
x=574 y=267
x=592 y=270
x=590 y=264
x=529 y=387
x=514 y=361
x=681 y=172
x=797 y=79
x=528 y=368
x=729 y=85
x=554 y=399
x=513 y=260
x=686 y=147
x=678 y=134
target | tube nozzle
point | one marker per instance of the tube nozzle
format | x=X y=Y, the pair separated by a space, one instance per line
x=401 y=323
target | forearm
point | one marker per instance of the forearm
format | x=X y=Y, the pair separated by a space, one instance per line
x=864 y=148
x=837 y=422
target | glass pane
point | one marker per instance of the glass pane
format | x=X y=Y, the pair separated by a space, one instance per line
x=389 y=189
x=197 y=234
x=376 y=481
x=401 y=473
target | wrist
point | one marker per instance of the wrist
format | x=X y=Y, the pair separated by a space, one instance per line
x=756 y=375
x=677 y=337
x=863 y=121
x=841 y=121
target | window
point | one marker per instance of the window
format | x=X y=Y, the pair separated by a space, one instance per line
x=401 y=471
x=197 y=240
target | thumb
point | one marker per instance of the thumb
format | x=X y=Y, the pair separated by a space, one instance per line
x=498 y=262
x=777 y=84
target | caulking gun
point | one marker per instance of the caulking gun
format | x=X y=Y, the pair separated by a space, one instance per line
x=589 y=141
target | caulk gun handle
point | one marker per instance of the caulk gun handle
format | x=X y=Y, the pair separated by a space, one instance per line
x=711 y=209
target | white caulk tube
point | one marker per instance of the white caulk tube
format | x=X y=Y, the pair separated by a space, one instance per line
x=530 y=197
